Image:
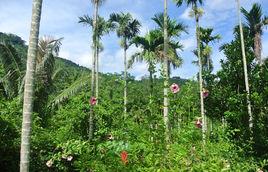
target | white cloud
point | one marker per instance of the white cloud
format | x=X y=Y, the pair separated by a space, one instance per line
x=188 y=43
x=186 y=14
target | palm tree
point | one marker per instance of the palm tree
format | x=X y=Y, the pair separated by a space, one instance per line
x=166 y=103
x=149 y=44
x=206 y=37
x=104 y=27
x=126 y=29
x=13 y=69
x=174 y=30
x=29 y=87
x=197 y=12
x=48 y=49
x=245 y=69
x=255 y=22
x=96 y=4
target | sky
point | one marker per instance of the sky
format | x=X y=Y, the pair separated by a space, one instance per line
x=60 y=19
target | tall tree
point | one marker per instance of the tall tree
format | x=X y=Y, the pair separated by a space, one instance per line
x=104 y=27
x=256 y=22
x=96 y=4
x=148 y=44
x=206 y=38
x=197 y=12
x=126 y=29
x=174 y=30
x=245 y=69
x=29 y=87
x=165 y=71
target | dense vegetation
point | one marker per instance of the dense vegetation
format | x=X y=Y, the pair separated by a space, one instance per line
x=132 y=136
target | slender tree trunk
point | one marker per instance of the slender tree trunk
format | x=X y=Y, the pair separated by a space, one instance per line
x=258 y=47
x=204 y=128
x=91 y=117
x=97 y=73
x=151 y=81
x=166 y=119
x=245 y=70
x=29 y=87
x=125 y=78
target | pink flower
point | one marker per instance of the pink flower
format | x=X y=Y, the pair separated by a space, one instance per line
x=205 y=93
x=174 y=88
x=198 y=123
x=49 y=163
x=93 y=101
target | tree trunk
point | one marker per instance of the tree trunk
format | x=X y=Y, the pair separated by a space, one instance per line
x=204 y=126
x=29 y=87
x=258 y=47
x=151 y=81
x=245 y=70
x=165 y=115
x=125 y=78
x=91 y=117
x=97 y=73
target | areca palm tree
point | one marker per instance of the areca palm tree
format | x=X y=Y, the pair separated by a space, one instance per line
x=166 y=103
x=174 y=31
x=126 y=29
x=29 y=87
x=245 y=69
x=206 y=37
x=96 y=4
x=197 y=12
x=149 y=44
x=256 y=22
x=104 y=27
x=152 y=52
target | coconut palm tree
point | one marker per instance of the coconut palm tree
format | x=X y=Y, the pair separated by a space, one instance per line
x=29 y=87
x=245 y=69
x=256 y=22
x=126 y=29
x=197 y=12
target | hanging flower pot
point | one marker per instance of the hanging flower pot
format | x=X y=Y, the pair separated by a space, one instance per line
x=124 y=156
x=198 y=123
x=174 y=88
x=93 y=101
x=205 y=93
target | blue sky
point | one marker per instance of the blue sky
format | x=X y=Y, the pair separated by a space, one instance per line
x=60 y=19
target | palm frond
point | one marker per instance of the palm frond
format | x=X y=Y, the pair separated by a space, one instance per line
x=12 y=65
x=70 y=91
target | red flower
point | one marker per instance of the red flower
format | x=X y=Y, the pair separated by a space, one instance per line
x=205 y=93
x=198 y=123
x=124 y=157
x=174 y=88
x=93 y=101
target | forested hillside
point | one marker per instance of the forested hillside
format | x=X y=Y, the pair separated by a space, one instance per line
x=56 y=115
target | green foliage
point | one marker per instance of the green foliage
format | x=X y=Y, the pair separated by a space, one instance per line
x=59 y=137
